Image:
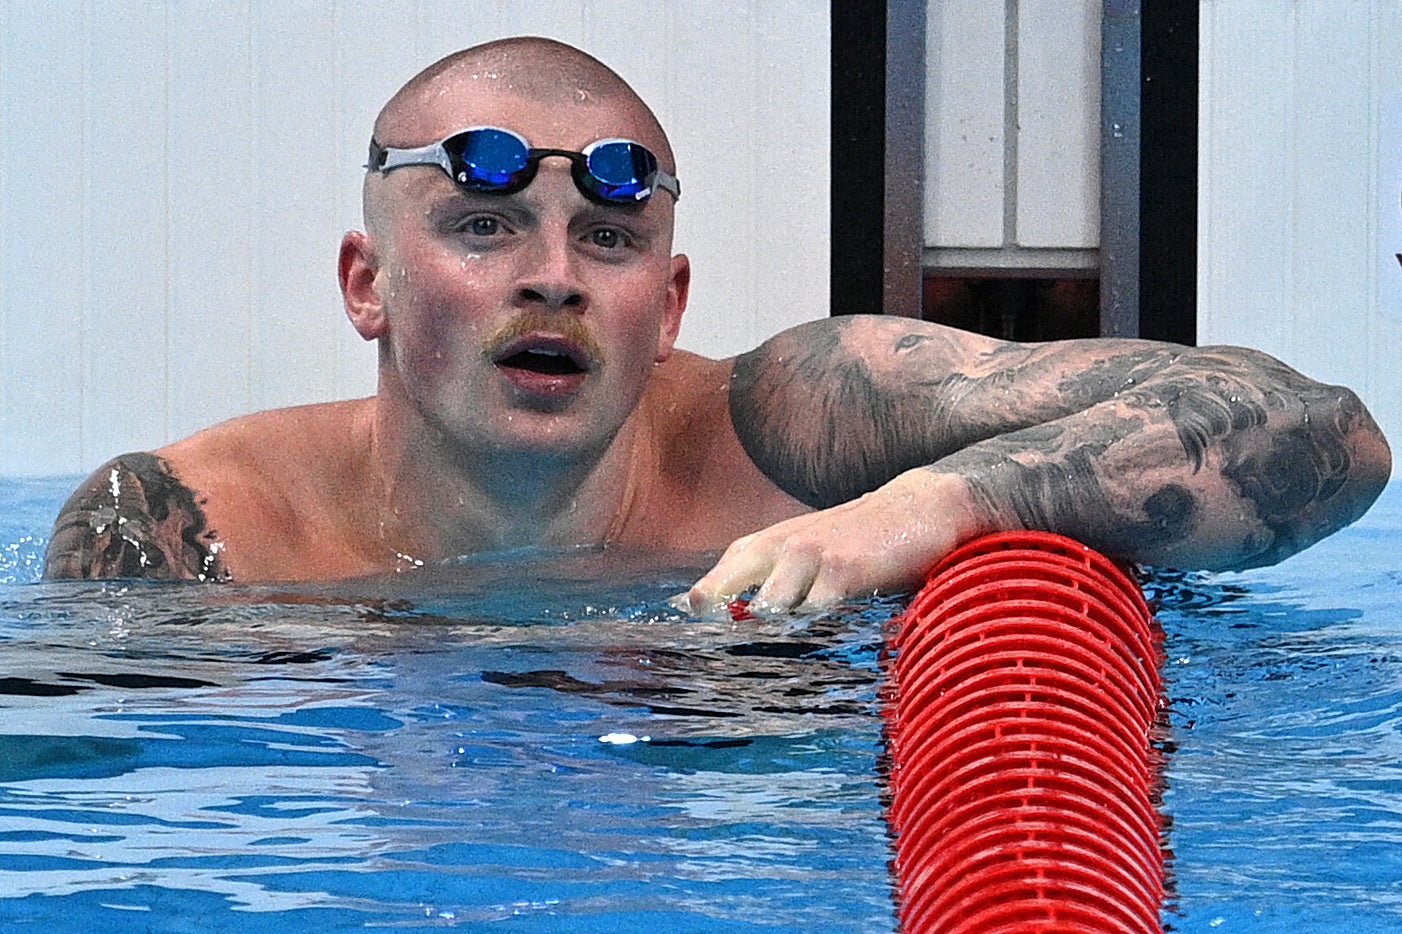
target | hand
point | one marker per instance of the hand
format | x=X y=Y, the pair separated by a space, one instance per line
x=882 y=542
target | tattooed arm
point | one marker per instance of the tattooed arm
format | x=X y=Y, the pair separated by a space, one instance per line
x=912 y=438
x=133 y=518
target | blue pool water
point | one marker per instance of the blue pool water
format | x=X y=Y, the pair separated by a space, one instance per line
x=1285 y=787
x=515 y=744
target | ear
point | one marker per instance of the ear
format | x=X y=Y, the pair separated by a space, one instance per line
x=678 y=290
x=358 y=271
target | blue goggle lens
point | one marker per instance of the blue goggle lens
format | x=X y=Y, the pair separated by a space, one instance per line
x=490 y=159
x=620 y=170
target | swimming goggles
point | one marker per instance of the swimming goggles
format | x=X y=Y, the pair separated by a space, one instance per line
x=490 y=159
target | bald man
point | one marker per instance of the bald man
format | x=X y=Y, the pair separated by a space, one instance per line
x=517 y=274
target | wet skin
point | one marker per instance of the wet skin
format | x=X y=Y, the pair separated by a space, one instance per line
x=1209 y=457
x=530 y=394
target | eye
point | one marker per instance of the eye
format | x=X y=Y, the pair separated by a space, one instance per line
x=911 y=340
x=482 y=226
x=610 y=238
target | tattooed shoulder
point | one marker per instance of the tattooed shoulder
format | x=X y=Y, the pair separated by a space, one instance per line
x=828 y=411
x=134 y=518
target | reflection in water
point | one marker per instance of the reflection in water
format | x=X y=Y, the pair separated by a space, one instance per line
x=431 y=754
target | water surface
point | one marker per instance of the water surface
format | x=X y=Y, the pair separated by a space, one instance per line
x=539 y=741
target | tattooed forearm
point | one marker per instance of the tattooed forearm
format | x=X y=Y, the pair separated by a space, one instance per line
x=1304 y=456
x=133 y=518
x=1046 y=478
x=1226 y=459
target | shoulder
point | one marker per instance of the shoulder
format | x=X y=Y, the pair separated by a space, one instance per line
x=688 y=381
x=252 y=463
x=706 y=490
x=184 y=511
x=833 y=408
x=271 y=437
x=133 y=518
x=685 y=410
x=819 y=347
x=850 y=365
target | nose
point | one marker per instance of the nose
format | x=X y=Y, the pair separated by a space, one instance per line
x=549 y=275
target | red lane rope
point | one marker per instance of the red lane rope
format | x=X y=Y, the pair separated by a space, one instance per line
x=1020 y=702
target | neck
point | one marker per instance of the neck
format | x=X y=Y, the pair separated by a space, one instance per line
x=436 y=501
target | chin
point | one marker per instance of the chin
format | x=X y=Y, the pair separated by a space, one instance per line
x=549 y=435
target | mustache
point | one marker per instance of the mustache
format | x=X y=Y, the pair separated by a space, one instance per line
x=534 y=321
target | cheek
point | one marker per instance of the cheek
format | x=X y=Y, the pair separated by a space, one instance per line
x=649 y=301
x=431 y=334
x=639 y=341
x=438 y=301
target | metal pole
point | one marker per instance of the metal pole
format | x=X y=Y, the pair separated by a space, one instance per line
x=1120 y=111
x=904 y=238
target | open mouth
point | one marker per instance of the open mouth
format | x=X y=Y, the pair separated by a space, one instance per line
x=544 y=361
x=551 y=364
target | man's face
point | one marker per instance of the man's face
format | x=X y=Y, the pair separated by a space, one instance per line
x=529 y=321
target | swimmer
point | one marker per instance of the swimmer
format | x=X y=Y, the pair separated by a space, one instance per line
x=516 y=272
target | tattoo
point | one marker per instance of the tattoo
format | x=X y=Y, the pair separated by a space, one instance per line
x=818 y=419
x=1050 y=479
x=1133 y=447
x=1244 y=430
x=786 y=395
x=134 y=518
x=1276 y=453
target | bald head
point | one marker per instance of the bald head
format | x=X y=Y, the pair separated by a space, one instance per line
x=442 y=98
x=539 y=69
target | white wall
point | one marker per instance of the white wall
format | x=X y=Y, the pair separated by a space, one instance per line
x=1012 y=134
x=175 y=178
x=1300 y=170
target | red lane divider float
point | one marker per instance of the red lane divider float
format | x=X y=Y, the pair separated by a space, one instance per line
x=1021 y=699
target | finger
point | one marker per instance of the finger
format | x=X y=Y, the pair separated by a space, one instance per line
x=740 y=568
x=824 y=594
x=841 y=576
x=789 y=583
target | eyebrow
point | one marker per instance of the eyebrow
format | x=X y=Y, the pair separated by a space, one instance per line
x=448 y=207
